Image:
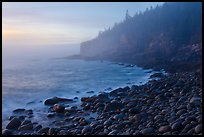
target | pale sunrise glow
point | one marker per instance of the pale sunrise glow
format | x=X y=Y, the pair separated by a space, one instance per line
x=61 y=23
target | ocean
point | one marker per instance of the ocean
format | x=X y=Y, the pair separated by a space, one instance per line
x=29 y=84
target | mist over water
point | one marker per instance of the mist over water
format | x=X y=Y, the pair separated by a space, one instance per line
x=15 y=54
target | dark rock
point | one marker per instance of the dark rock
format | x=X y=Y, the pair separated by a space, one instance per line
x=114 y=92
x=198 y=129
x=88 y=99
x=87 y=129
x=177 y=126
x=14 y=123
x=6 y=132
x=160 y=75
x=52 y=131
x=90 y=92
x=158 y=117
x=113 y=106
x=38 y=127
x=148 y=131
x=44 y=130
x=108 y=122
x=56 y=100
x=25 y=122
x=76 y=98
x=134 y=111
x=195 y=100
x=11 y=117
x=118 y=116
x=19 y=110
x=114 y=132
x=50 y=115
x=26 y=127
x=180 y=112
x=164 y=129
x=29 y=112
x=58 y=108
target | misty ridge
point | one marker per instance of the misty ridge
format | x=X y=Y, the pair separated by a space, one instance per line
x=167 y=34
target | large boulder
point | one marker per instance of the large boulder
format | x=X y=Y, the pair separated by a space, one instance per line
x=112 y=106
x=58 y=108
x=56 y=100
x=14 y=123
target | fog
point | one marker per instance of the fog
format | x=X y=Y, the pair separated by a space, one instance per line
x=13 y=54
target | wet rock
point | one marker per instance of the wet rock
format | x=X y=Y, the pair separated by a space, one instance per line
x=198 y=129
x=195 y=100
x=25 y=122
x=44 y=130
x=114 y=132
x=26 y=127
x=159 y=75
x=134 y=110
x=90 y=92
x=158 y=117
x=113 y=106
x=164 y=129
x=29 y=112
x=177 y=126
x=108 y=122
x=52 y=131
x=38 y=127
x=114 y=92
x=19 y=110
x=87 y=129
x=118 y=116
x=50 y=115
x=56 y=100
x=58 y=108
x=14 y=123
x=180 y=112
x=6 y=132
x=147 y=131
x=88 y=99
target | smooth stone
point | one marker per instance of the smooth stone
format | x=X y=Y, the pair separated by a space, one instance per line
x=90 y=92
x=25 y=122
x=198 y=129
x=52 y=131
x=164 y=129
x=87 y=129
x=108 y=122
x=114 y=132
x=58 y=108
x=6 y=132
x=157 y=117
x=19 y=110
x=55 y=100
x=180 y=112
x=38 y=127
x=134 y=111
x=147 y=131
x=44 y=130
x=26 y=127
x=49 y=115
x=14 y=123
x=113 y=106
x=177 y=126
x=195 y=100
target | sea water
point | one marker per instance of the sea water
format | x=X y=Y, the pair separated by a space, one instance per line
x=28 y=84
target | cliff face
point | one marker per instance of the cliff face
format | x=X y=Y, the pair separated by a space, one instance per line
x=165 y=34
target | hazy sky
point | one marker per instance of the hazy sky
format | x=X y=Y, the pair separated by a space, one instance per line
x=47 y=23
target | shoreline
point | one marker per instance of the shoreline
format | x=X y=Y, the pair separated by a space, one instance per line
x=159 y=107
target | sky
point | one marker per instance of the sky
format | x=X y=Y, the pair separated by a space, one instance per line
x=47 y=23
x=31 y=25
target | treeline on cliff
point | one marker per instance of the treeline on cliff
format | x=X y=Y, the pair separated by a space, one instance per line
x=167 y=34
